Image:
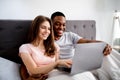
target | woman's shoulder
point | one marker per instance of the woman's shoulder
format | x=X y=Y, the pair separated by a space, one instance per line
x=25 y=45
x=25 y=48
x=57 y=47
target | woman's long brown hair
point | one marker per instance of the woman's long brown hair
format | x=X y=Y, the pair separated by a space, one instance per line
x=34 y=33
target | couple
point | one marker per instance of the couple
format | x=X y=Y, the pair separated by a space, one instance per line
x=41 y=55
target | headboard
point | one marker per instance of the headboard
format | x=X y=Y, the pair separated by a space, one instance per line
x=84 y=28
x=13 y=33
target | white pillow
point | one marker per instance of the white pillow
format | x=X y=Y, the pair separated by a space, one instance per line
x=9 y=70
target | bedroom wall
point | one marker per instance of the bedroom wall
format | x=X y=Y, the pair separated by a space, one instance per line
x=99 y=10
x=118 y=5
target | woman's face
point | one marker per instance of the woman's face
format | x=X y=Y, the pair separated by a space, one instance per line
x=44 y=30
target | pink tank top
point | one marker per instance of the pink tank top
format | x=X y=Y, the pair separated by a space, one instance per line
x=37 y=54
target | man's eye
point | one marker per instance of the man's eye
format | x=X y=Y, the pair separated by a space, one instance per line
x=57 y=24
x=64 y=24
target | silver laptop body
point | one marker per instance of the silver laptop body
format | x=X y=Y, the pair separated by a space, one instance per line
x=87 y=57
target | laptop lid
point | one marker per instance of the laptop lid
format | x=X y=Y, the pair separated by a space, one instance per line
x=87 y=57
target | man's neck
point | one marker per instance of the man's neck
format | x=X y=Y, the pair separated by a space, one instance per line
x=57 y=38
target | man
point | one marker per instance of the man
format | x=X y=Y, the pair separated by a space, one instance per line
x=65 y=40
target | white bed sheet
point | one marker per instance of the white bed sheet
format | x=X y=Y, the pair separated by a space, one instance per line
x=84 y=76
x=59 y=75
x=110 y=69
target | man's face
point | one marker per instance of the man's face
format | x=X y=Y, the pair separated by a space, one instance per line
x=59 y=25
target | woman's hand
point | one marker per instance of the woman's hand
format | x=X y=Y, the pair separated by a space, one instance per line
x=107 y=50
x=64 y=62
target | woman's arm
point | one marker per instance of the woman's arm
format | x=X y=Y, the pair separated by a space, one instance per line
x=42 y=69
x=33 y=68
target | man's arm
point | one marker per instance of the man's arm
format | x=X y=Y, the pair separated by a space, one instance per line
x=87 y=41
x=107 y=49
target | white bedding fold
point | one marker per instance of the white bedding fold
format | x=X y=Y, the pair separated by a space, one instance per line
x=111 y=67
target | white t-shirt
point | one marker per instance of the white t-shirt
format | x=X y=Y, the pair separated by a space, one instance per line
x=66 y=44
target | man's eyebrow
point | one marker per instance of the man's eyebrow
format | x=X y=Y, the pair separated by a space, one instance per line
x=57 y=21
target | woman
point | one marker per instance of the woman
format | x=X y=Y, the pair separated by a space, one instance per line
x=40 y=55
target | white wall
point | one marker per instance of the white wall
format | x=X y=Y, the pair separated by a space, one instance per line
x=117 y=5
x=99 y=10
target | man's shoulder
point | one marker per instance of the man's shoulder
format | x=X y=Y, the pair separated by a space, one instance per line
x=72 y=35
x=69 y=33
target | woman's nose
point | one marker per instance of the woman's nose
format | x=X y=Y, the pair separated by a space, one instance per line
x=47 y=30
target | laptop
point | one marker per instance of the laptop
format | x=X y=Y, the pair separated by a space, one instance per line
x=87 y=57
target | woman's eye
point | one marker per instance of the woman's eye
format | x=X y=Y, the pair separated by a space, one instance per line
x=43 y=27
x=49 y=28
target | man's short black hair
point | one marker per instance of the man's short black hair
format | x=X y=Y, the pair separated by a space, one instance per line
x=57 y=14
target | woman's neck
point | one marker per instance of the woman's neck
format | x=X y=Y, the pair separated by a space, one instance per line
x=38 y=43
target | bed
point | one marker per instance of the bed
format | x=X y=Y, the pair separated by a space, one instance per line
x=13 y=33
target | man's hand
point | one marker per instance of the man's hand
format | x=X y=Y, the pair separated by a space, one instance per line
x=107 y=50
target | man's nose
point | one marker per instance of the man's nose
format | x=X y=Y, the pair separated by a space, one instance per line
x=61 y=26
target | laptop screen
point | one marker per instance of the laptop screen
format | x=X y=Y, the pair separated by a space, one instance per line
x=87 y=57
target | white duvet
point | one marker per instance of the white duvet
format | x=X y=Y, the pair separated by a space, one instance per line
x=111 y=67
